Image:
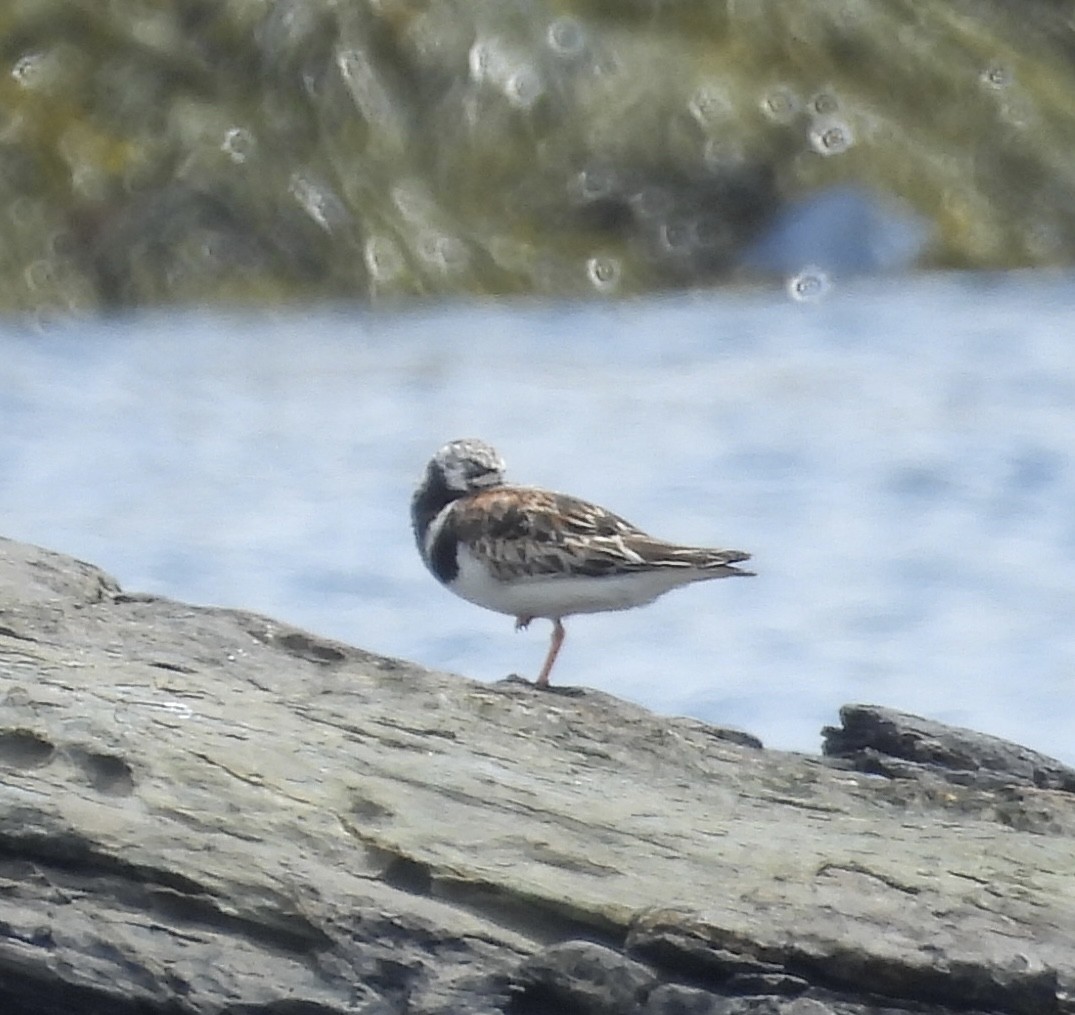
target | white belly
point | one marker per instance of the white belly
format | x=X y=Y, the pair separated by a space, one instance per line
x=560 y=596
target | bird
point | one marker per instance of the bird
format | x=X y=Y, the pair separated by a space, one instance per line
x=533 y=553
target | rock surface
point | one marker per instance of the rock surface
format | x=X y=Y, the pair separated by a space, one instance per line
x=886 y=742
x=203 y=810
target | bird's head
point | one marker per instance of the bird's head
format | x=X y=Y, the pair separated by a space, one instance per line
x=468 y=465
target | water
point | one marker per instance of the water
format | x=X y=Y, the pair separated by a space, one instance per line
x=898 y=456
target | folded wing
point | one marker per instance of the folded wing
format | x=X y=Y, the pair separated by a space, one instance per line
x=526 y=533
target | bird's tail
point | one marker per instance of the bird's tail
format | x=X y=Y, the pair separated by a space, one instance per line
x=711 y=562
x=722 y=564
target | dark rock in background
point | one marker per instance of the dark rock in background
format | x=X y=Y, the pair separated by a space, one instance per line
x=207 y=811
x=199 y=151
x=886 y=742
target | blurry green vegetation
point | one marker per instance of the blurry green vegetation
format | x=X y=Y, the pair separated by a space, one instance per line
x=267 y=150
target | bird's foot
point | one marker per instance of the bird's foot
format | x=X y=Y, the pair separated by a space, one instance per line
x=561 y=689
x=522 y=623
x=564 y=690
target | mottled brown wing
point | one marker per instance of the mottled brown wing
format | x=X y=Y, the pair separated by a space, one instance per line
x=522 y=532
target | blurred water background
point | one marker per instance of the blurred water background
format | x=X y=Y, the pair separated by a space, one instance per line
x=899 y=455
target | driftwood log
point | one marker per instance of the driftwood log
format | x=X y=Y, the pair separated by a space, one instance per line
x=204 y=810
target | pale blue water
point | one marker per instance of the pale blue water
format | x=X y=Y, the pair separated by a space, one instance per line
x=899 y=457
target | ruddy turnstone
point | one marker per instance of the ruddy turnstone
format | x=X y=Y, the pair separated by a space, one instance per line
x=533 y=553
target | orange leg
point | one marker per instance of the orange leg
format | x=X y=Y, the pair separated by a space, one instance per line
x=554 y=650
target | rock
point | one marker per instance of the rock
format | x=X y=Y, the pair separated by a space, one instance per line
x=672 y=999
x=886 y=742
x=207 y=811
x=582 y=976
